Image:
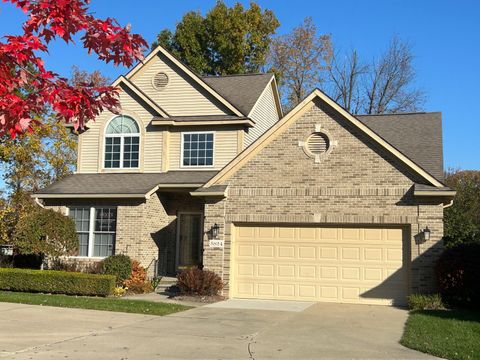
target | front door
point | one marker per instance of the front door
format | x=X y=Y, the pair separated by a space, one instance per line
x=189 y=240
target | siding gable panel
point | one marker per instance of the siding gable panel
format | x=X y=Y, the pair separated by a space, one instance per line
x=265 y=115
x=182 y=96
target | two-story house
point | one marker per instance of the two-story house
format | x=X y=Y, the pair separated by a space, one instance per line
x=206 y=171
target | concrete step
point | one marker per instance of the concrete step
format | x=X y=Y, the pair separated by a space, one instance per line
x=168 y=280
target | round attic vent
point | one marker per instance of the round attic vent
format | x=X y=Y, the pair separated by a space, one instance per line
x=160 y=81
x=317 y=144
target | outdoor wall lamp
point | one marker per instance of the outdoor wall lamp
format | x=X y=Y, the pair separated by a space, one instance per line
x=426 y=233
x=214 y=230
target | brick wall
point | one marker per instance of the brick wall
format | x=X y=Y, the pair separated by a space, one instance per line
x=146 y=229
x=356 y=183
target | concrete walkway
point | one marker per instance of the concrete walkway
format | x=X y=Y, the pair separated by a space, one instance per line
x=326 y=331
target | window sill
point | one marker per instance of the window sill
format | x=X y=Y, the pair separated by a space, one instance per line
x=85 y=257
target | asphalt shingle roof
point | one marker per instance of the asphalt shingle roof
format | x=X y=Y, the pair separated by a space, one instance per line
x=124 y=183
x=416 y=135
x=242 y=91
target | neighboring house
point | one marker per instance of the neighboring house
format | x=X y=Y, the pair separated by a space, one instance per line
x=319 y=205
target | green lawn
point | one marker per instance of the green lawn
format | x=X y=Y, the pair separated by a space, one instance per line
x=449 y=334
x=93 y=303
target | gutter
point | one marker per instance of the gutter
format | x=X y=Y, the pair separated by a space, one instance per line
x=448 y=193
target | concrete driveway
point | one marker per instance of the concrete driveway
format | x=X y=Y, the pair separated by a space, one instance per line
x=229 y=330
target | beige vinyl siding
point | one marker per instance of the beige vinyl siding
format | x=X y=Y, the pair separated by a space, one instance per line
x=264 y=113
x=91 y=142
x=225 y=147
x=181 y=97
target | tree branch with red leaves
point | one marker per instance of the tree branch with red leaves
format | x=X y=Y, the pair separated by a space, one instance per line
x=27 y=89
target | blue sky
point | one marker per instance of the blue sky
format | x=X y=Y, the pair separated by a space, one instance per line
x=444 y=34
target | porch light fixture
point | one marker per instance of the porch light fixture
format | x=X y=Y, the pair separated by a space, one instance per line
x=426 y=234
x=214 y=230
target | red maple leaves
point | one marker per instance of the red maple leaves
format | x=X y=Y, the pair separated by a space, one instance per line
x=27 y=89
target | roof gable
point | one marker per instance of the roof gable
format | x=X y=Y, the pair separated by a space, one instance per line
x=184 y=87
x=295 y=114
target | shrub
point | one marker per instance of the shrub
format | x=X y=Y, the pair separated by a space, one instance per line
x=458 y=274
x=199 y=282
x=425 y=302
x=137 y=282
x=56 y=282
x=118 y=265
x=119 y=291
x=45 y=232
x=155 y=282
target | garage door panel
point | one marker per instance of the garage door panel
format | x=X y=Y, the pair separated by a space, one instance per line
x=323 y=264
x=267 y=251
x=286 y=252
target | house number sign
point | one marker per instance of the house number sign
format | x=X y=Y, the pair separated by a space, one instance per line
x=216 y=243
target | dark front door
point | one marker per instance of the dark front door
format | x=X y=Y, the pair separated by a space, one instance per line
x=189 y=240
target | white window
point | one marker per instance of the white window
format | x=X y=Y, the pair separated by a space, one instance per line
x=96 y=227
x=122 y=143
x=197 y=148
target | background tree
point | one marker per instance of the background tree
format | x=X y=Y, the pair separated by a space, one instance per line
x=345 y=74
x=300 y=60
x=227 y=40
x=47 y=153
x=28 y=89
x=462 y=219
x=385 y=85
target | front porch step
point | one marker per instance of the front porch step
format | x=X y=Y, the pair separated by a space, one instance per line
x=168 y=280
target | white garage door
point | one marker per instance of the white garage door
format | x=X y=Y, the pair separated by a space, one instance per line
x=335 y=264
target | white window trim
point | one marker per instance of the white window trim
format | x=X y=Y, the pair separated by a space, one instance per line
x=91 y=233
x=181 y=150
x=122 y=143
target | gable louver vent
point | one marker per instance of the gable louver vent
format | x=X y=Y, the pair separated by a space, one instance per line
x=160 y=81
x=318 y=144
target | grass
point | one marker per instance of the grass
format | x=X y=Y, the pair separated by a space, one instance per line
x=93 y=303
x=449 y=334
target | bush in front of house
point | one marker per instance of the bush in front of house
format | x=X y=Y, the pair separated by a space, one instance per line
x=199 y=282
x=138 y=283
x=425 y=302
x=119 y=265
x=458 y=275
x=45 y=232
x=56 y=282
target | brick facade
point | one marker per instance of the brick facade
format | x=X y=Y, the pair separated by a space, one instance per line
x=358 y=182
x=146 y=229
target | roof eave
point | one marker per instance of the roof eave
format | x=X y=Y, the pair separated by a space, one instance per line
x=245 y=122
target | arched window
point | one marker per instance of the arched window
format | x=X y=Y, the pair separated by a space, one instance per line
x=122 y=143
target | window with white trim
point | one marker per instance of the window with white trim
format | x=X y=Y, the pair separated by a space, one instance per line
x=96 y=229
x=122 y=143
x=197 y=148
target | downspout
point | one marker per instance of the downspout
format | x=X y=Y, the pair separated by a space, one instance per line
x=39 y=203
x=448 y=205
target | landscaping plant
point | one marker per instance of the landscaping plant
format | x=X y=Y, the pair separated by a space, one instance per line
x=196 y=281
x=458 y=274
x=45 y=232
x=425 y=302
x=138 y=283
x=56 y=282
x=119 y=265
